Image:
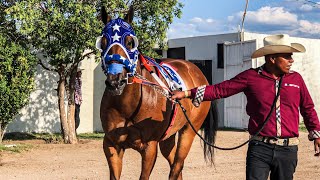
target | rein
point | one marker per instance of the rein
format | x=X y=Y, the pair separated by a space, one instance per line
x=160 y=87
x=141 y=80
x=251 y=138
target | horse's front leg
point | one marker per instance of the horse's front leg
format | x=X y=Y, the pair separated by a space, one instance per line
x=114 y=156
x=149 y=155
x=185 y=140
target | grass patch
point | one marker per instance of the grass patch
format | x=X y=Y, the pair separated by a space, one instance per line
x=18 y=136
x=47 y=137
x=302 y=127
x=50 y=138
x=17 y=148
x=91 y=135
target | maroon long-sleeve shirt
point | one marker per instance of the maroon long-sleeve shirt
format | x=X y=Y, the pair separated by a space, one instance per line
x=260 y=89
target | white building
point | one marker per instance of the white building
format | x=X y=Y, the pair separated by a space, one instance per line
x=220 y=56
x=224 y=56
x=42 y=113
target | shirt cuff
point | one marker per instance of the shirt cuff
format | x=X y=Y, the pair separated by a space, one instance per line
x=314 y=135
x=197 y=97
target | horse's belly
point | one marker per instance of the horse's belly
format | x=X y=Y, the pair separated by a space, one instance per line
x=136 y=136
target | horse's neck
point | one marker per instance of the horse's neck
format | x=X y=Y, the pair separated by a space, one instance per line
x=136 y=89
x=146 y=74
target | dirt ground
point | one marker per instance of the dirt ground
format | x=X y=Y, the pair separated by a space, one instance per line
x=86 y=161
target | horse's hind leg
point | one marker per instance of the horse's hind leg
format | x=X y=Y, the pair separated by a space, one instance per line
x=168 y=149
x=114 y=157
x=185 y=140
x=149 y=156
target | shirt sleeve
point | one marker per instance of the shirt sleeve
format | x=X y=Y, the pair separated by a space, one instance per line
x=308 y=113
x=224 y=89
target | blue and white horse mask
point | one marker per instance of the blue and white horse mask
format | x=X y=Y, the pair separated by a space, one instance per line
x=116 y=32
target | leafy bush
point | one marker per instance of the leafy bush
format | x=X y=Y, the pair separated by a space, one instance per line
x=17 y=68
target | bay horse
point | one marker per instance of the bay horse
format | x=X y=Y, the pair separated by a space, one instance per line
x=136 y=115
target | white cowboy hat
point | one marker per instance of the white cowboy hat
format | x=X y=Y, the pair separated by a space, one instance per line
x=275 y=44
x=79 y=69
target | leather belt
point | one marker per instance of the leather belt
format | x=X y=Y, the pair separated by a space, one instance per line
x=278 y=141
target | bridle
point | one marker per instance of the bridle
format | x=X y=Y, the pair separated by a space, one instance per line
x=116 y=32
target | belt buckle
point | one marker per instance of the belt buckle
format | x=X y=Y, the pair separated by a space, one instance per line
x=272 y=140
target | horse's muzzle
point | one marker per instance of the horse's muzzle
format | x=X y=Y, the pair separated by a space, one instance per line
x=115 y=86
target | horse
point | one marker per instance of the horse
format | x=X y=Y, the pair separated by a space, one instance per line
x=137 y=116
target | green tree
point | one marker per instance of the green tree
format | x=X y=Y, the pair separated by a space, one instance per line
x=63 y=29
x=64 y=32
x=151 y=20
x=17 y=69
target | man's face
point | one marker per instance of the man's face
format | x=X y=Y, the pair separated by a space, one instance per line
x=283 y=62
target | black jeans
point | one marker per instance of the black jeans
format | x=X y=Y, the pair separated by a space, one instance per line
x=77 y=116
x=263 y=158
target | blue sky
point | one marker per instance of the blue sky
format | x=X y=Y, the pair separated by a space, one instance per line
x=300 y=18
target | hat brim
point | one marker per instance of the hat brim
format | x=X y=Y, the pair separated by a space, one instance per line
x=276 y=49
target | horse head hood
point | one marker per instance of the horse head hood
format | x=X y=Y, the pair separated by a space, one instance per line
x=115 y=33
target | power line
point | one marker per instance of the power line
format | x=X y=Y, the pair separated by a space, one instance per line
x=244 y=15
x=311 y=3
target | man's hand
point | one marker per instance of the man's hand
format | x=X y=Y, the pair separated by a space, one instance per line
x=180 y=94
x=317 y=147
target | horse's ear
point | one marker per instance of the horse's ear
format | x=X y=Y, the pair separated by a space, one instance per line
x=129 y=16
x=104 y=15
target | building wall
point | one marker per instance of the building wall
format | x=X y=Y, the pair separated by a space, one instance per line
x=205 y=48
x=93 y=86
x=307 y=64
x=237 y=59
x=41 y=115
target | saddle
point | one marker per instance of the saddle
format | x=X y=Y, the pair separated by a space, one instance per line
x=169 y=73
x=173 y=79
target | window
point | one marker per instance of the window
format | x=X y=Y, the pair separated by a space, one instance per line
x=206 y=67
x=220 y=56
x=177 y=53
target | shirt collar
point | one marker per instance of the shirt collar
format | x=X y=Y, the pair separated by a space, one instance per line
x=262 y=71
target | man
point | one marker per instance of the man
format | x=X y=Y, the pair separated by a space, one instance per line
x=275 y=149
x=77 y=97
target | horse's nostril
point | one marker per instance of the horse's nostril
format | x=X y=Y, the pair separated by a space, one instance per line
x=123 y=81
x=112 y=84
x=108 y=83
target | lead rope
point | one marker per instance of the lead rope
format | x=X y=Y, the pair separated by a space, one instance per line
x=250 y=139
x=161 y=90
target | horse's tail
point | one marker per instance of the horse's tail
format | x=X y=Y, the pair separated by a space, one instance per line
x=209 y=129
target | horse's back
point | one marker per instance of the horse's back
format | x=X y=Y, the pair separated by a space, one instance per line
x=192 y=77
x=190 y=73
